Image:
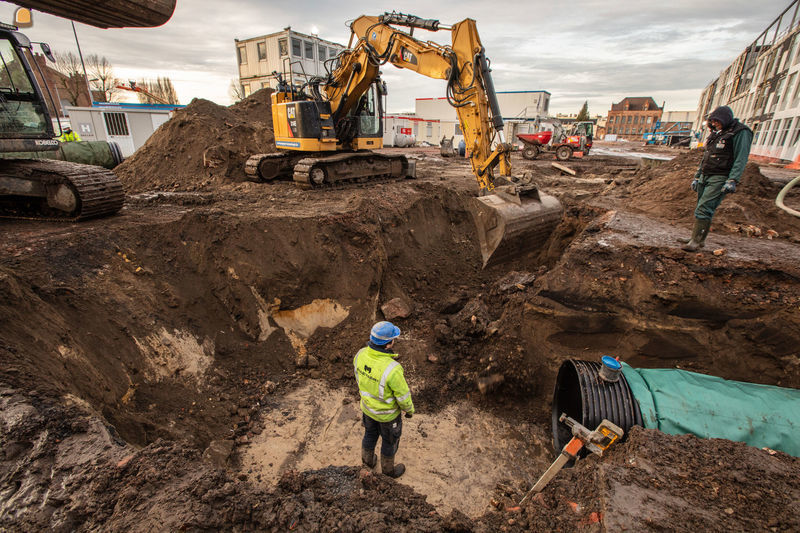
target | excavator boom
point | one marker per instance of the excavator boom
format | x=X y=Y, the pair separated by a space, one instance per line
x=517 y=218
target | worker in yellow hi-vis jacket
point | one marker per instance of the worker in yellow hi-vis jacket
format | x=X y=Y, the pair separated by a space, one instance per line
x=384 y=394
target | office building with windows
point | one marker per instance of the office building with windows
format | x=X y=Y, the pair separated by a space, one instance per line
x=762 y=86
x=295 y=55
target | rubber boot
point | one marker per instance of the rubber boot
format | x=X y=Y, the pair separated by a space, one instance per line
x=687 y=240
x=699 y=233
x=369 y=458
x=390 y=469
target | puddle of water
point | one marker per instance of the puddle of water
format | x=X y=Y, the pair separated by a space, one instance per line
x=455 y=457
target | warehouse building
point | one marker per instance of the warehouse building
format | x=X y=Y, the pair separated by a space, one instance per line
x=762 y=86
x=295 y=55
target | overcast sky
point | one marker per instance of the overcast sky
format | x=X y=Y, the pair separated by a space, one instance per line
x=599 y=51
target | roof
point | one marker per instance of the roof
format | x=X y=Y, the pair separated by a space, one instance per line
x=286 y=31
x=636 y=103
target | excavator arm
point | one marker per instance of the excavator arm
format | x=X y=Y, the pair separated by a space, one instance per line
x=463 y=64
x=107 y=13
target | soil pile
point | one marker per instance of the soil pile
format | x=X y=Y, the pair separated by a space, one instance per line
x=658 y=482
x=202 y=147
x=663 y=192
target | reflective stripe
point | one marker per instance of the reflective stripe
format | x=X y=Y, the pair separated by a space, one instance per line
x=384 y=377
x=374 y=412
x=404 y=397
x=355 y=366
x=368 y=395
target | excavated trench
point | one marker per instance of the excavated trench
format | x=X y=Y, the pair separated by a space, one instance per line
x=230 y=327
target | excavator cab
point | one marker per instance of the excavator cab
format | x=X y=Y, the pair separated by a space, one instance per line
x=25 y=124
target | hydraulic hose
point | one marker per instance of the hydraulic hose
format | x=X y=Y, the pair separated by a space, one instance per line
x=782 y=195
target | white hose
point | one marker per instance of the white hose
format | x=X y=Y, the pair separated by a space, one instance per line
x=782 y=195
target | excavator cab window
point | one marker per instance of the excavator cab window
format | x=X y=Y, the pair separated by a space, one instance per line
x=22 y=112
x=369 y=120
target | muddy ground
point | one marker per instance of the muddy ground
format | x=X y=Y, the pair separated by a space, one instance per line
x=186 y=364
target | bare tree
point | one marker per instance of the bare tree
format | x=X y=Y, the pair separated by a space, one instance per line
x=161 y=88
x=235 y=91
x=72 y=84
x=101 y=76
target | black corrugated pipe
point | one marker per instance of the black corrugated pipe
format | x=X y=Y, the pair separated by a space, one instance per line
x=584 y=396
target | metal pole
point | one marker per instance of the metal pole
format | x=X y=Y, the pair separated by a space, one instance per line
x=80 y=54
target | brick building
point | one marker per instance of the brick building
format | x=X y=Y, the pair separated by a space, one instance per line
x=632 y=117
x=61 y=87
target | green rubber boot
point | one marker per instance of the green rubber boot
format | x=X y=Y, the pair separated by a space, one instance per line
x=699 y=234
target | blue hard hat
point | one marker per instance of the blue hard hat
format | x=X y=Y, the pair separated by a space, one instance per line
x=383 y=333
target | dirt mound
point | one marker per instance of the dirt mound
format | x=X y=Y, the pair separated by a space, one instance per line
x=658 y=482
x=663 y=192
x=202 y=147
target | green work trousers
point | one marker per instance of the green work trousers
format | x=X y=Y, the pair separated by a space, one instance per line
x=709 y=196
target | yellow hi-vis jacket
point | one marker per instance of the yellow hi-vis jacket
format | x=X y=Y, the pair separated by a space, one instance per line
x=69 y=137
x=383 y=388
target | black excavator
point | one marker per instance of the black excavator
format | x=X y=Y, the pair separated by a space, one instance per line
x=35 y=182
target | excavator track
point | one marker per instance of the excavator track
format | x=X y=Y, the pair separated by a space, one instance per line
x=267 y=167
x=350 y=168
x=97 y=191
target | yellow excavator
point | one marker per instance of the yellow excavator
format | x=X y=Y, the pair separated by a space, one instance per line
x=327 y=129
x=33 y=182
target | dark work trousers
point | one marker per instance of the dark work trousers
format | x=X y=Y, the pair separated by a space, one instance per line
x=389 y=433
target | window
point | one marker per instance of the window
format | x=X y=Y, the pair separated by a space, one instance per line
x=794 y=56
x=796 y=135
x=264 y=84
x=777 y=127
x=262 y=51
x=766 y=133
x=242 y=55
x=649 y=120
x=457 y=130
x=283 y=47
x=246 y=90
x=322 y=52
x=416 y=128
x=789 y=85
x=429 y=129
x=786 y=124
x=116 y=123
x=756 y=133
x=333 y=52
x=297 y=47
x=309 y=46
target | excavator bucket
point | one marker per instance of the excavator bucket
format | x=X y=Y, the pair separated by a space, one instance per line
x=108 y=13
x=514 y=220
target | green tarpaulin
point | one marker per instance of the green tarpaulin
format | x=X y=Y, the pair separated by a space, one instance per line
x=679 y=402
x=89 y=153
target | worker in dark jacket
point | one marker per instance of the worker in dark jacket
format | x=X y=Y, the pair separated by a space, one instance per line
x=724 y=159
